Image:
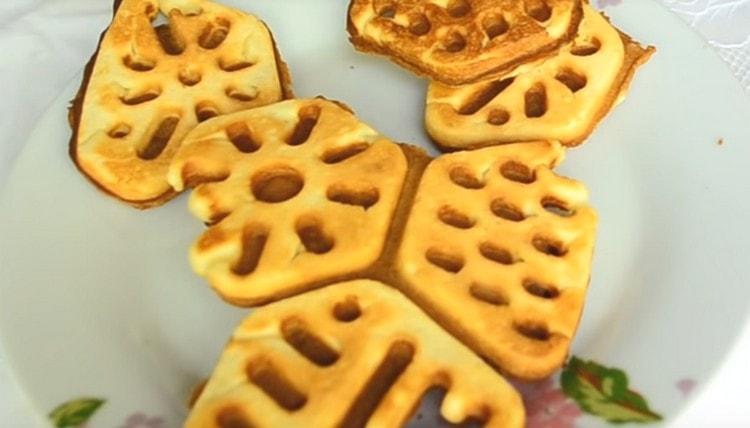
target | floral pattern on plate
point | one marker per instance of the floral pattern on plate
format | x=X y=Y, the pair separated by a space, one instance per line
x=585 y=387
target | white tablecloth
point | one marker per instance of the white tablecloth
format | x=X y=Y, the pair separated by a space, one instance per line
x=45 y=42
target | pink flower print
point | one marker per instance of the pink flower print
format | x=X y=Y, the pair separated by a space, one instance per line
x=686 y=386
x=547 y=406
x=140 y=420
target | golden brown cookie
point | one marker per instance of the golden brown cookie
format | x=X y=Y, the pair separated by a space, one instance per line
x=498 y=249
x=462 y=41
x=562 y=98
x=149 y=84
x=298 y=193
x=352 y=354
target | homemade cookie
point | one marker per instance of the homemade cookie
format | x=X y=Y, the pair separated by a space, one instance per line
x=563 y=99
x=149 y=84
x=299 y=194
x=462 y=41
x=498 y=249
x=349 y=355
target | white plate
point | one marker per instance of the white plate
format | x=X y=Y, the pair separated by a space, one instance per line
x=97 y=299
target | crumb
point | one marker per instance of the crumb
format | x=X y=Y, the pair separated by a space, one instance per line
x=351 y=67
x=720 y=142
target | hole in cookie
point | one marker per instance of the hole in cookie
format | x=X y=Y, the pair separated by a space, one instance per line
x=505 y=210
x=263 y=374
x=445 y=260
x=538 y=9
x=143 y=97
x=159 y=139
x=313 y=237
x=458 y=8
x=464 y=177
x=297 y=334
x=232 y=417
x=192 y=180
x=241 y=95
x=121 y=130
x=149 y=10
x=494 y=26
x=557 y=207
x=419 y=25
x=488 y=295
x=347 y=310
x=537 y=289
x=574 y=81
x=586 y=47
x=399 y=357
x=549 y=246
x=171 y=42
x=496 y=254
x=138 y=63
x=518 y=172
x=385 y=9
x=216 y=218
x=454 y=42
x=253 y=241
x=239 y=134
x=431 y=401
x=498 y=117
x=536 y=101
x=455 y=218
x=532 y=330
x=232 y=66
x=205 y=110
x=340 y=154
x=214 y=34
x=482 y=97
x=189 y=77
x=308 y=118
x=364 y=197
x=276 y=184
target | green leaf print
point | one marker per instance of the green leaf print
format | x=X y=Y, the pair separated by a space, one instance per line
x=604 y=392
x=75 y=413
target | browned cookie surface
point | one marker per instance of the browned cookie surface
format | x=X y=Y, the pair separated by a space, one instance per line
x=462 y=41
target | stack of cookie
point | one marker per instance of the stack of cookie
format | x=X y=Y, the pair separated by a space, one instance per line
x=504 y=71
x=381 y=273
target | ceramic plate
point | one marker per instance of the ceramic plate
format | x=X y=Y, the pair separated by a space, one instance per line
x=105 y=324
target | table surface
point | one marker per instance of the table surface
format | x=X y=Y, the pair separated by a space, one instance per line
x=45 y=43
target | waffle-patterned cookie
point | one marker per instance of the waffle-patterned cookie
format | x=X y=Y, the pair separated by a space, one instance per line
x=498 y=249
x=349 y=355
x=149 y=84
x=462 y=41
x=299 y=193
x=561 y=99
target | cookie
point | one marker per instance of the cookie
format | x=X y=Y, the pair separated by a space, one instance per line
x=498 y=249
x=148 y=84
x=298 y=194
x=352 y=354
x=458 y=42
x=562 y=98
